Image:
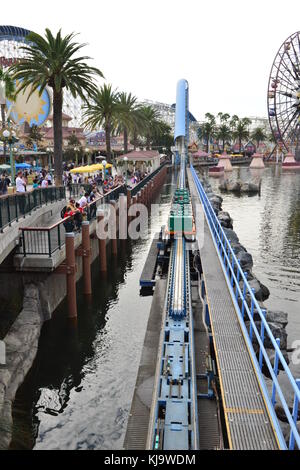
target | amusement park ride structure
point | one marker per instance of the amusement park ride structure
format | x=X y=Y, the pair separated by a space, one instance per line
x=284 y=96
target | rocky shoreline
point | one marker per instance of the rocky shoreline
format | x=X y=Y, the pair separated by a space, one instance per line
x=277 y=320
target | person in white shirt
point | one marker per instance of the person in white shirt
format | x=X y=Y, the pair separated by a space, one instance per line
x=83 y=200
x=44 y=183
x=20 y=184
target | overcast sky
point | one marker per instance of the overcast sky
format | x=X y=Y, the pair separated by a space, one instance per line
x=224 y=48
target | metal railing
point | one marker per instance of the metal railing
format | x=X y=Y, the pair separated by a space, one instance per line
x=15 y=206
x=248 y=309
x=47 y=240
x=144 y=181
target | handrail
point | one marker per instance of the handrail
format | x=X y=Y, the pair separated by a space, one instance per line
x=14 y=206
x=47 y=240
x=234 y=276
x=45 y=229
x=145 y=180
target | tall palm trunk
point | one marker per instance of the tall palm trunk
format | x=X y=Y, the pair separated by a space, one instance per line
x=207 y=144
x=57 y=130
x=107 y=140
x=125 y=140
x=3 y=125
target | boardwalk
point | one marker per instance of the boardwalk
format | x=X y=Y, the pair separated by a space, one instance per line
x=248 y=423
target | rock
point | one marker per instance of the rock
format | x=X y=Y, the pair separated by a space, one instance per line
x=245 y=188
x=286 y=429
x=225 y=219
x=231 y=235
x=261 y=292
x=278 y=332
x=253 y=188
x=271 y=355
x=281 y=414
x=245 y=259
x=234 y=187
x=223 y=186
x=277 y=316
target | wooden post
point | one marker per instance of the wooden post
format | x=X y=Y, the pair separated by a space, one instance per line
x=71 y=275
x=86 y=258
x=114 y=241
x=102 y=245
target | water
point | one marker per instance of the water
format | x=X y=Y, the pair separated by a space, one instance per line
x=78 y=393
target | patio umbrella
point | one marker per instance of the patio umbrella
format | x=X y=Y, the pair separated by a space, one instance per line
x=4 y=167
x=22 y=166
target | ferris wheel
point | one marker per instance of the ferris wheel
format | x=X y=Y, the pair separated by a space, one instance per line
x=284 y=94
x=12 y=38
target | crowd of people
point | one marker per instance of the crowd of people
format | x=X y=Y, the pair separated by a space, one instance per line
x=41 y=179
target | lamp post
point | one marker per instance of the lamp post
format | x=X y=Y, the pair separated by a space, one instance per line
x=11 y=138
x=104 y=163
x=76 y=155
x=126 y=167
x=87 y=151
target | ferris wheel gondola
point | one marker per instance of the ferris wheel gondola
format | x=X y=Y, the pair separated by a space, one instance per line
x=284 y=94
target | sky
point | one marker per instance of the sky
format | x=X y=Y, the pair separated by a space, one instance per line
x=223 y=48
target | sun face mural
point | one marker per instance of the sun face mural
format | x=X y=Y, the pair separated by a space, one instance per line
x=33 y=110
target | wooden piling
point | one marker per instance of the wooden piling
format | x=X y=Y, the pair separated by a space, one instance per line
x=71 y=275
x=86 y=258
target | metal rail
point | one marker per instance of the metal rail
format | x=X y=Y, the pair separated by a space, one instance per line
x=46 y=240
x=15 y=206
x=247 y=307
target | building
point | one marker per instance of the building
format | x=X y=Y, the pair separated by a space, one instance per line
x=167 y=114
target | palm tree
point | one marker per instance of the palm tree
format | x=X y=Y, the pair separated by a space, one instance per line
x=52 y=60
x=241 y=132
x=223 y=117
x=224 y=133
x=150 y=123
x=127 y=115
x=259 y=135
x=10 y=90
x=210 y=117
x=233 y=122
x=103 y=111
x=208 y=130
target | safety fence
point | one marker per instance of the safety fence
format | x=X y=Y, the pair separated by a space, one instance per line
x=46 y=240
x=141 y=184
x=15 y=206
x=257 y=330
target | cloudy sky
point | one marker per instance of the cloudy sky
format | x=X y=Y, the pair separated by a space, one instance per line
x=224 y=48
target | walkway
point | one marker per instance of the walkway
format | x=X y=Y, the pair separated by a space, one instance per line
x=248 y=423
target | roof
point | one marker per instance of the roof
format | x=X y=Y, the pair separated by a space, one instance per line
x=140 y=155
x=13 y=32
x=65 y=117
x=66 y=131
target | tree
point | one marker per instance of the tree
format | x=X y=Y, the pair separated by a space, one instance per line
x=224 y=134
x=223 y=117
x=233 y=122
x=104 y=111
x=150 y=123
x=241 y=132
x=35 y=136
x=259 y=135
x=162 y=136
x=52 y=60
x=208 y=130
x=10 y=90
x=126 y=116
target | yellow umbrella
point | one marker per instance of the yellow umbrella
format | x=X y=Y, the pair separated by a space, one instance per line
x=82 y=169
x=99 y=166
